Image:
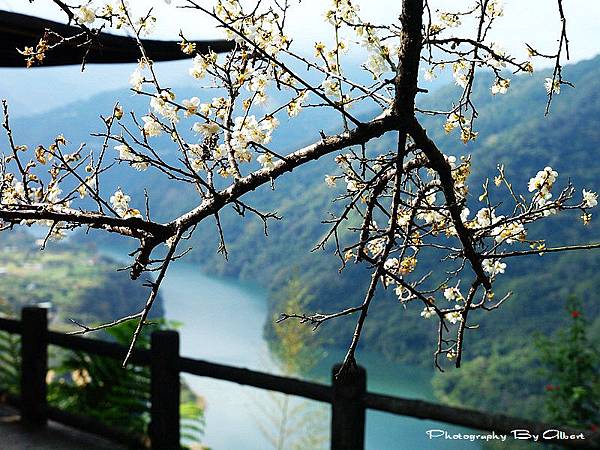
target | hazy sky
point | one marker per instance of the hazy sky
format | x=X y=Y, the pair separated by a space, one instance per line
x=532 y=21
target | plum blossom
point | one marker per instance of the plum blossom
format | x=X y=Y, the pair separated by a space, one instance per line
x=455 y=316
x=191 y=106
x=487 y=217
x=453 y=294
x=126 y=154
x=136 y=79
x=590 y=199
x=552 y=86
x=428 y=312
x=500 y=86
x=151 y=128
x=542 y=184
x=207 y=129
x=510 y=233
x=120 y=201
x=266 y=160
x=85 y=15
x=199 y=66
x=493 y=267
x=495 y=8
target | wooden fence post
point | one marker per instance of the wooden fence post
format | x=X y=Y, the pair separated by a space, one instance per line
x=34 y=366
x=348 y=410
x=164 y=391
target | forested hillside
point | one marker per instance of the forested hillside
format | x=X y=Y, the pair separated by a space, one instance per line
x=73 y=280
x=512 y=131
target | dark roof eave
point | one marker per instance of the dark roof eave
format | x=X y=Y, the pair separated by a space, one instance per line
x=18 y=31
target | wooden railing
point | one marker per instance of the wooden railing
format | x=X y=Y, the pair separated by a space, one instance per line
x=347 y=395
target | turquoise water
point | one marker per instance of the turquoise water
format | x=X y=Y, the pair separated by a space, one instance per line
x=223 y=321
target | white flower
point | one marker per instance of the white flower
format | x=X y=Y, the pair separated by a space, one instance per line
x=90 y=183
x=451 y=160
x=331 y=87
x=493 y=266
x=552 y=86
x=590 y=199
x=450 y=20
x=258 y=83
x=330 y=181
x=207 y=129
x=246 y=130
x=403 y=294
x=126 y=154
x=430 y=75
x=266 y=159
x=191 y=106
x=460 y=72
x=151 y=127
x=495 y=8
x=455 y=316
x=53 y=193
x=453 y=294
x=131 y=212
x=464 y=215
x=377 y=64
x=542 y=184
x=295 y=105
x=391 y=265
x=486 y=217
x=428 y=312
x=85 y=15
x=510 y=233
x=136 y=79
x=351 y=184
x=160 y=104
x=376 y=246
x=544 y=178
x=120 y=201
x=495 y=59
x=500 y=86
x=198 y=69
x=269 y=123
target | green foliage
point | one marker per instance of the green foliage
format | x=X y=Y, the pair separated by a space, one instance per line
x=10 y=363
x=296 y=346
x=99 y=387
x=572 y=367
x=10 y=356
x=554 y=379
x=75 y=279
x=284 y=420
x=507 y=383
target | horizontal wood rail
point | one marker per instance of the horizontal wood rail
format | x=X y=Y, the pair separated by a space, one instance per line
x=347 y=394
x=285 y=385
x=468 y=418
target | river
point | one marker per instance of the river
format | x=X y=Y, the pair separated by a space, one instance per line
x=222 y=321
